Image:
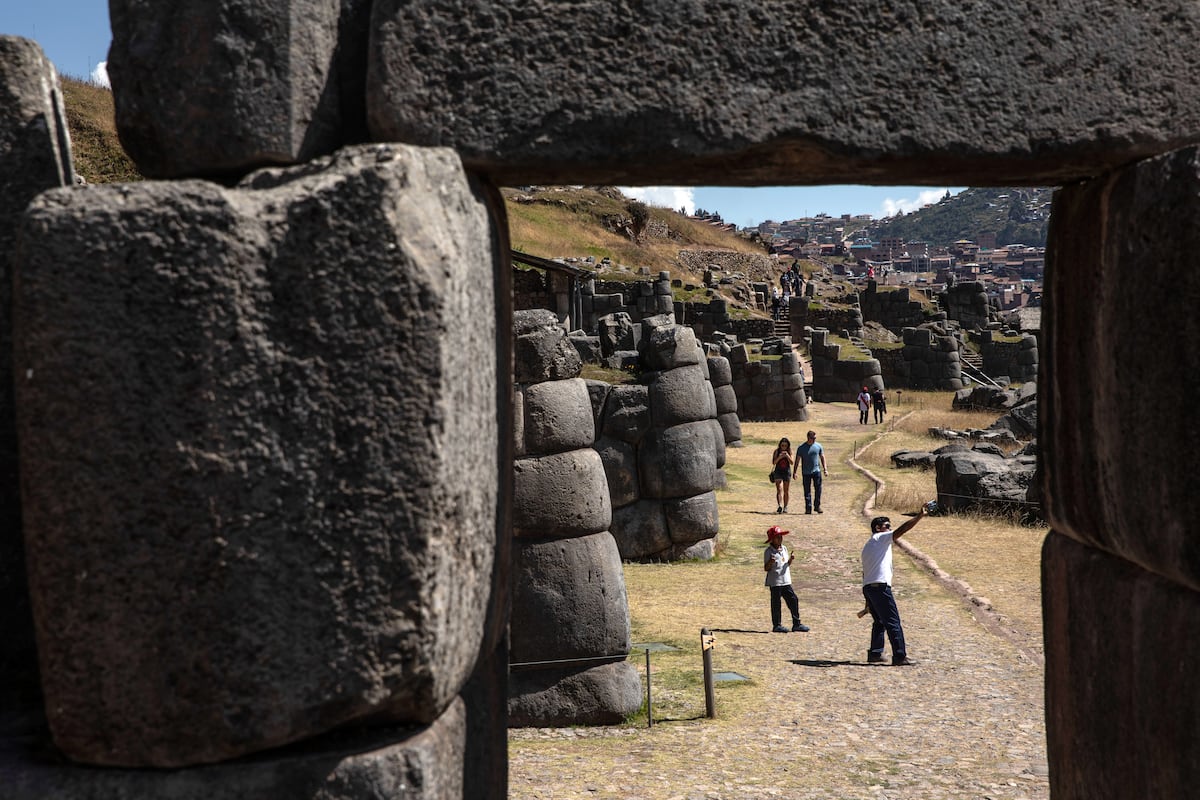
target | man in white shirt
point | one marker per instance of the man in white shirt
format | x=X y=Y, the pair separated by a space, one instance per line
x=877 y=589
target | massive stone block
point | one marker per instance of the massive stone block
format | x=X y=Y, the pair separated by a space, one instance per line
x=558 y=416
x=691 y=519
x=681 y=395
x=627 y=413
x=35 y=155
x=220 y=87
x=620 y=469
x=542 y=351
x=641 y=529
x=568 y=599
x=1112 y=383
x=565 y=494
x=602 y=695
x=248 y=418
x=1121 y=716
x=1097 y=85
x=422 y=763
x=680 y=461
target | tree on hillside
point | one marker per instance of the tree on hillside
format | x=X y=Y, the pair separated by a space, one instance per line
x=639 y=215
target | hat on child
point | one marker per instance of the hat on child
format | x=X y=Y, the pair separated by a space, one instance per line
x=775 y=530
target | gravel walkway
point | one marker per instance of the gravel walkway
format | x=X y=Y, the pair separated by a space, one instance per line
x=967 y=721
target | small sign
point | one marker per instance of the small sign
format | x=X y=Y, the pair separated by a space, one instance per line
x=707 y=641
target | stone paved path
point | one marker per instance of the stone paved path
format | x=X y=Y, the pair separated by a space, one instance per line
x=965 y=722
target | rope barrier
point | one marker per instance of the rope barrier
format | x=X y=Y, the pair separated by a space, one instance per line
x=570 y=661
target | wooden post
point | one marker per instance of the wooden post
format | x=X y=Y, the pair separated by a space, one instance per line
x=649 y=704
x=706 y=645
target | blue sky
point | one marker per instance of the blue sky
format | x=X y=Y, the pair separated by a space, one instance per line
x=75 y=35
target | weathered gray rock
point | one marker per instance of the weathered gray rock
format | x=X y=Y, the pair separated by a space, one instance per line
x=984 y=481
x=904 y=459
x=558 y=416
x=640 y=530
x=691 y=519
x=669 y=346
x=243 y=452
x=719 y=371
x=731 y=426
x=35 y=155
x=1021 y=421
x=627 y=413
x=640 y=116
x=518 y=422
x=726 y=399
x=542 y=351
x=702 y=550
x=620 y=469
x=598 y=395
x=423 y=763
x=1115 y=663
x=568 y=599
x=616 y=333
x=1094 y=495
x=221 y=88
x=680 y=461
x=602 y=695
x=681 y=395
x=565 y=494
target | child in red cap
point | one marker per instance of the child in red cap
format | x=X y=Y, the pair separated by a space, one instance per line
x=777 y=564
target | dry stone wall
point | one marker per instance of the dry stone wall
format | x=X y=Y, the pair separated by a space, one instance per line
x=893 y=309
x=767 y=389
x=569 y=605
x=838 y=379
x=967 y=304
x=663 y=446
x=931 y=360
x=261 y=84
x=34 y=156
x=1017 y=360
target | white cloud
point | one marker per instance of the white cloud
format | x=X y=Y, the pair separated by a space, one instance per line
x=891 y=205
x=672 y=197
x=100 y=74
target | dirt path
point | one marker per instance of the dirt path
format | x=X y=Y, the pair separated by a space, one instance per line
x=815 y=720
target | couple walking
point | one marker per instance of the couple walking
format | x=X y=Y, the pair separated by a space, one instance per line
x=809 y=461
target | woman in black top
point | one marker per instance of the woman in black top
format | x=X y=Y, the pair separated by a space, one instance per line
x=781 y=473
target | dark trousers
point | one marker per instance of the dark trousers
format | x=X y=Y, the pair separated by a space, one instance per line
x=862 y=415
x=812 y=491
x=879 y=412
x=885 y=618
x=789 y=596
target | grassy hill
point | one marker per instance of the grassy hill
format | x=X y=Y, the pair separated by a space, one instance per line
x=97 y=151
x=580 y=221
x=1017 y=215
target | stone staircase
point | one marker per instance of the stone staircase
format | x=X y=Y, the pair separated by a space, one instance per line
x=972 y=367
x=783 y=326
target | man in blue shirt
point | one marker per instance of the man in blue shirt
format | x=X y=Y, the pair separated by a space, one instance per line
x=810 y=458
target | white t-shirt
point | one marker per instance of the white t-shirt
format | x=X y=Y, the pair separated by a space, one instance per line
x=779 y=573
x=877 y=558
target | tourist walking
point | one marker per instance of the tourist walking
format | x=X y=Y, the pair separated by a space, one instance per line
x=864 y=405
x=777 y=563
x=879 y=404
x=781 y=473
x=877 y=589
x=810 y=461
x=775 y=301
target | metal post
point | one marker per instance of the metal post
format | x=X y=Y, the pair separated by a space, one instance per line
x=706 y=646
x=649 y=704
